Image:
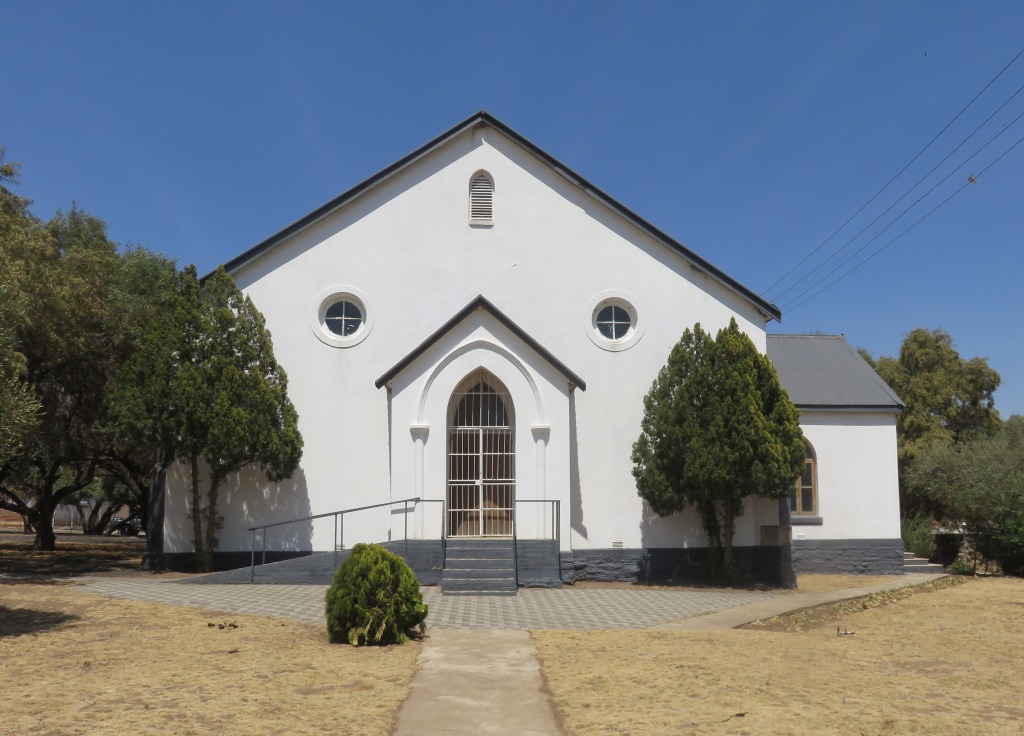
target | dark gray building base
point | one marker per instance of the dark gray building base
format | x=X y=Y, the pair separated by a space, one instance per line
x=539 y=565
x=859 y=556
x=764 y=565
x=314 y=568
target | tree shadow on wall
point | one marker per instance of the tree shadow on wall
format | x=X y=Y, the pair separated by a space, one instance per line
x=250 y=500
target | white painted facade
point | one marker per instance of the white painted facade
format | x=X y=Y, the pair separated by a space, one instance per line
x=405 y=248
x=857 y=475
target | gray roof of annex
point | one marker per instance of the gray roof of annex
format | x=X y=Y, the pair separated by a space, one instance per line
x=824 y=371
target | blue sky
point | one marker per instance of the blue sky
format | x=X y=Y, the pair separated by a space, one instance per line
x=748 y=131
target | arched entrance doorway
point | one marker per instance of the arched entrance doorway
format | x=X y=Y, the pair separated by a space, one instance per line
x=481 y=458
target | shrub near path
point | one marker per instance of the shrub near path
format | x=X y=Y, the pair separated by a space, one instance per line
x=947 y=661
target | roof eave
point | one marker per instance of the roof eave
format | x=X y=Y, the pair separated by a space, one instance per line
x=347 y=196
x=851 y=407
x=481 y=303
x=768 y=310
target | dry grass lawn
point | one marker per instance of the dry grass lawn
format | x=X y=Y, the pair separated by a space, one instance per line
x=826 y=583
x=942 y=662
x=75 y=663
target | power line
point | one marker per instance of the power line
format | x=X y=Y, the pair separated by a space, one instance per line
x=907 y=192
x=905 y=211
x=918 y=222
x=896 y=176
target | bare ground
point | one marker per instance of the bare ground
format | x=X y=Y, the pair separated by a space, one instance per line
x=73 y=663
x=76 y=663
x=942 y=662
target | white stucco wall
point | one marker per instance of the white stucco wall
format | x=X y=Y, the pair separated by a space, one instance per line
x=407 y=248
x=420 y=403
x=858 y=487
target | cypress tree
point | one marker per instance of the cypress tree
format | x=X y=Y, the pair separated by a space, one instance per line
x=717 y=427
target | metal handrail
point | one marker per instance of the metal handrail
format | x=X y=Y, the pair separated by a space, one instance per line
x=556 y=527
x=337 y=515
x=556 y=518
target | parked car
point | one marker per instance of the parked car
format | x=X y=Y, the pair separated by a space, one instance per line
x=129 y=527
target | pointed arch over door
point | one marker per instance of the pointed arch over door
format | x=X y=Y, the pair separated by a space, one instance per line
x=481 y=458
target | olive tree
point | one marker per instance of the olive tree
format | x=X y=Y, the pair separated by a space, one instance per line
x=980 y=483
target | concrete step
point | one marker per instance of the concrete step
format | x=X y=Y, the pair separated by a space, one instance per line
x=474 y=573
x=476 y=563
x=929 y=568
x=479 y=551
x=919 y=565
x=479 y=592
x=479 y=567
x=477 y=585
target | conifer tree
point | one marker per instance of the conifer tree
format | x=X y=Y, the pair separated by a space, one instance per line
x=207 y=389
x=717 y=427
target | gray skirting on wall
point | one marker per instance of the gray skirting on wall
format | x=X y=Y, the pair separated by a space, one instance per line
x=861 y=556
x=540 y=565
x=760 y=564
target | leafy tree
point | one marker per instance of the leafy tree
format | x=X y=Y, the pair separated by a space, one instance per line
x=100 y=501
x=980 y=482
x=140 y=294
x=207 y=389
x=18 y=404
x=717 y=427
x=948 y=400
x=60 y=269
x=70 y=300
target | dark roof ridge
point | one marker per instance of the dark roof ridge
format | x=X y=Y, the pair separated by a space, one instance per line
x=480 y=302
x=837 y=336
x=485 y=118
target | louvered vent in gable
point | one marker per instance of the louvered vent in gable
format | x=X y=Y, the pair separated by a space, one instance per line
x=481 y=199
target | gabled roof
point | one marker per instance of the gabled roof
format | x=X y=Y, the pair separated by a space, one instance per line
x=483 y=118
x=824 y=371
x=464 y=313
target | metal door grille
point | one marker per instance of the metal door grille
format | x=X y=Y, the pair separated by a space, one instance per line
x=481 y=462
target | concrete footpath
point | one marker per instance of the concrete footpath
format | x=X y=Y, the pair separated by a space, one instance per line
x=483 y=681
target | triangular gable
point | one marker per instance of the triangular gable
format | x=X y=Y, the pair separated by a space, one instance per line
x=481 y=303
x=483 y=118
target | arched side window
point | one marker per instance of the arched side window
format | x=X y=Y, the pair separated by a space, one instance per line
x=481 y=199
x=804 y=498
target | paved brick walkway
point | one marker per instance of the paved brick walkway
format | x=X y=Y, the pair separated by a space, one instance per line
x=567 y=608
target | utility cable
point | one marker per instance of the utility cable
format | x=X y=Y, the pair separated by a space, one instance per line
x=907 y=192
x=896 y=176
x=904 y=212
x=918 y=222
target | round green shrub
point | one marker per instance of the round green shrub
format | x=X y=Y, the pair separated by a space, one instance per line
x=374 y=599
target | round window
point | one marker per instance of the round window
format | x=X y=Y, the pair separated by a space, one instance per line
x=343 y=318
x=613 y=320
x=340 y=318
